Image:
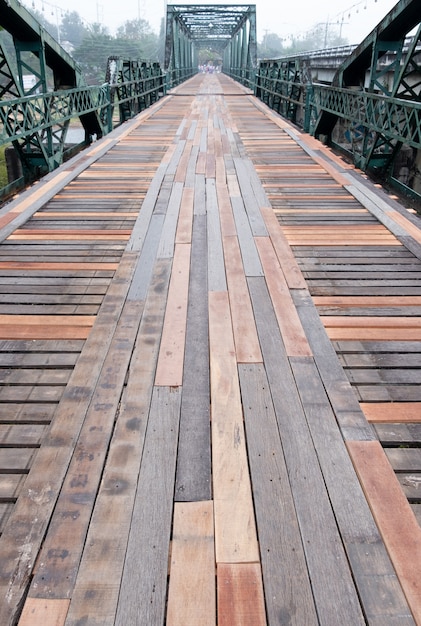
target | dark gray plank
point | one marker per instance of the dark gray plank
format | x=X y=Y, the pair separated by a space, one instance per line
x=333 y=587
x=372 y=569
x=351 y=419
x=193 y=480
x=216 y=266
x=277 y=524
x=144 y=582
x=250 y=256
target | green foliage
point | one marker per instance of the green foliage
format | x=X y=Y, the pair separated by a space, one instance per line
x=134 y=40
x=3 y=170
x=72 y=29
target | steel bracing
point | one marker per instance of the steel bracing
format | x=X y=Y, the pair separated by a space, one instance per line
x=227 y=31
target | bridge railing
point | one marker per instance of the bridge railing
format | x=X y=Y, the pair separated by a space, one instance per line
x=371 y=130
x=36 y=125
x=22 y=117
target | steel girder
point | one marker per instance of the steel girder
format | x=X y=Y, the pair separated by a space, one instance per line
x=38 y=54
x=386 y=63
x=228 y=30
x=134 y=85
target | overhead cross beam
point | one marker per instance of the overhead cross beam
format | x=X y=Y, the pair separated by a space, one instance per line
x=229 y=30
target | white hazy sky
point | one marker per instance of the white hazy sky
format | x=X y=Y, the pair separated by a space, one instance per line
x=355 y=19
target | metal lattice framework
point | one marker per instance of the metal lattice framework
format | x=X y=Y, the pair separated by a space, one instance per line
x=387 y=64
x=227 y=30
x=371 y=111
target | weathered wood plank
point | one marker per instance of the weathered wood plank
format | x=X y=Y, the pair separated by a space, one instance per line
x=292 y=331
x=143 y=589
x=235 y=532
x=169 y=371
x=20 y=542
x=97 y=585
x=341 y=395
x=245 y=336
x=279 y=533
x=55 y=577
x=185 y=220
x=216 y=266
x=374 y=576
x=395 y=519
x=332 y=583
x=191 y=592
x=193 y=479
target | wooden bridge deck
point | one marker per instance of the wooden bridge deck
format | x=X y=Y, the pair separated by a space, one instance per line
x=206 y=417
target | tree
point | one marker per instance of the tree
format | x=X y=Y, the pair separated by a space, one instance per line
x=134 y=30
x=72 y=28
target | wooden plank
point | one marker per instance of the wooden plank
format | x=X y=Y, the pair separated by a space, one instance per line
x=216 y=267
x=249 y=253
x=245 y=336
x=289 y=323
x=21 y=541
x=404 y=459
x=97 y=585
x=192 y=593
x=166 y=244
x=403 y=333
x=333 y=588
x=392 y=412
x=372 y=570
x=10 y=486
x=55 y=577
x=240 y=595
x=144 y=267
x=235 y=532
x=143 y=591
x=39 y=612
x=395 y=519
x=257 y=223
x=278 y=532
x=185 y=220
x=194 y=479
x=341 y=395
x=283 y=251
x=169 y=371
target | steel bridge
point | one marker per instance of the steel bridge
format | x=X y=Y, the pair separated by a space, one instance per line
x=371 y=110
x=210 y=336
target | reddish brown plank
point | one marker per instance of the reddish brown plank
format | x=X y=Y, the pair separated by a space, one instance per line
x=293 y=335
x=392 y=411
x=169 y=371
x=245 y=335
x=191 y=593
x=240 y=595
x=40 y=612
x=394 y=516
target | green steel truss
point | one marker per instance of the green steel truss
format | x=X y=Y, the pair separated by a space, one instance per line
x=379 y=85
x=35 y=118
x=226 y=30
x=372 y=110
